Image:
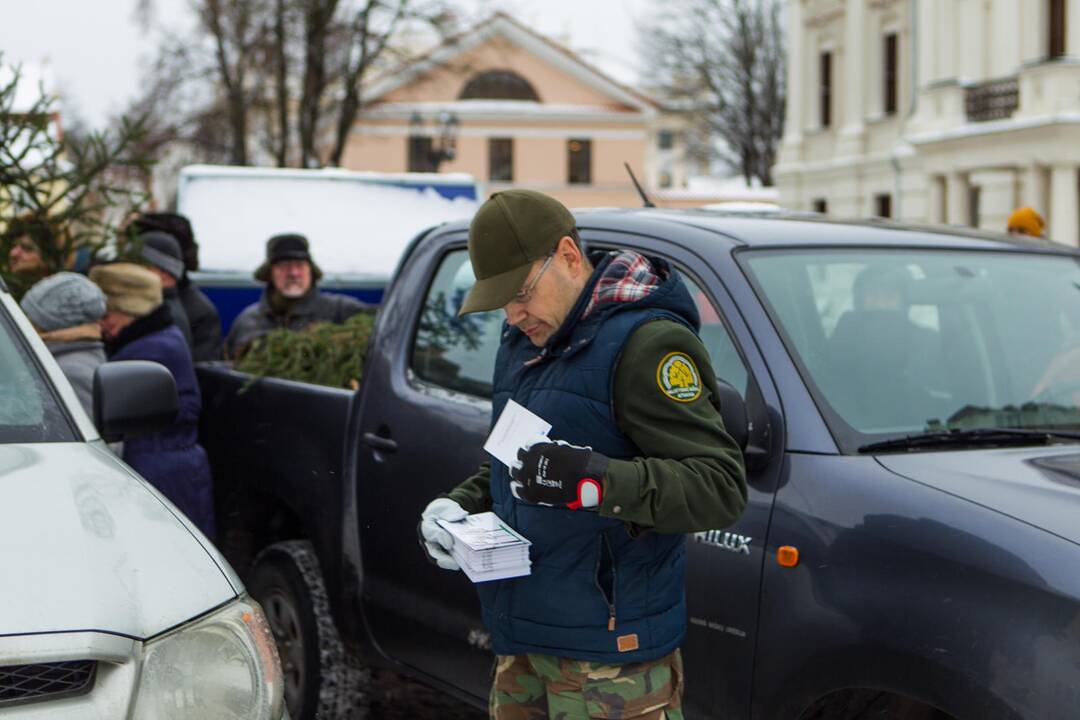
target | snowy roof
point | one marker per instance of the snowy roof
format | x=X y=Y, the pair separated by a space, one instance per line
x=499 y=108
x=190 y=172
x=355 y=226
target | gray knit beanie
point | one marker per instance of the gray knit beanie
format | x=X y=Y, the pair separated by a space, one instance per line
x=63 y=300
x=162 y=250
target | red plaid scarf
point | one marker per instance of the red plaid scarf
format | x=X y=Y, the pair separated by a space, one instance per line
x=629 y=277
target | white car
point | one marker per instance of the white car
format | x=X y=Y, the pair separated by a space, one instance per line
x=112 y=604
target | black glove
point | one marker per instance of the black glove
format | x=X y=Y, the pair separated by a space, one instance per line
x=559 y=474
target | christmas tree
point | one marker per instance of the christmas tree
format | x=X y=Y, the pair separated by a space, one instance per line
x=62 y=196
x=324 y=353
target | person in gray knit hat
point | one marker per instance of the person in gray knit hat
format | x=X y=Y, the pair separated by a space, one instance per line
x=64 y=309
x=201 y=312
x=161 y=254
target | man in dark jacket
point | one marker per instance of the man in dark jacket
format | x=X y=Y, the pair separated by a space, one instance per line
x=201 y=313
x=291 y=299
x=137 y=326
x=161 y=254
x=605 y=349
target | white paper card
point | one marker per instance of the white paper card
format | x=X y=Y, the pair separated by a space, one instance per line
x=483 y=531
x=516 y=428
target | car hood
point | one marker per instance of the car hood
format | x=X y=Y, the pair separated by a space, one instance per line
x=1039 y=486
x=85 y=544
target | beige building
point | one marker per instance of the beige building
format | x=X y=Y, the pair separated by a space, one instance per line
x=947 y=111
x=526 y=111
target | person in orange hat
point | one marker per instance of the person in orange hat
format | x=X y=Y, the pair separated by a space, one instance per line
x=1025 y=221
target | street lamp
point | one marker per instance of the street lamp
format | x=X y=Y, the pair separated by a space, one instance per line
x=428 y=152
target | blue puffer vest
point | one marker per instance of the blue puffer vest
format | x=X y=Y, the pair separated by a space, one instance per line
x=595 y=593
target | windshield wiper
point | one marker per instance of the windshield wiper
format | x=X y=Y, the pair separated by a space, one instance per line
x=975 y=436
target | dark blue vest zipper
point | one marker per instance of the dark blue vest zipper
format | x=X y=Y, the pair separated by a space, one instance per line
x=605 y=550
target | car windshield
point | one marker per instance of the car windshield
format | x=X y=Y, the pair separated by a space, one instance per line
x=895 y=343
x=29 y=411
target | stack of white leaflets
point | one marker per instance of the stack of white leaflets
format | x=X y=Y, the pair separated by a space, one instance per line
x=486 y=548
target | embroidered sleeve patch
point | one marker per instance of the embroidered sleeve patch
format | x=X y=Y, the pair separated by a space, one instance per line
x=678 y=377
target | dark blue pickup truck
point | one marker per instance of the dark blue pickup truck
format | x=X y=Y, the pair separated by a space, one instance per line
x=909 y=403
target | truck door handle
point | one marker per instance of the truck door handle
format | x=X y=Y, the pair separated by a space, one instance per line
x=378 y=442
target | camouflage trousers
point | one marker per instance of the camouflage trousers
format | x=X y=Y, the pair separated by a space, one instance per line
x=538 y=687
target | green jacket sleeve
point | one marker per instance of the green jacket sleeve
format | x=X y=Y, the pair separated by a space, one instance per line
x=474 y=495
x=690 y=476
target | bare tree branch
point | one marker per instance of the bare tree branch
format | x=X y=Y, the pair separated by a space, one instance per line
x=723 y=61
x=277 y=81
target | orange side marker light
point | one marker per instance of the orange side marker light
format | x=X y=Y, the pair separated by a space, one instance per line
x=787 y=556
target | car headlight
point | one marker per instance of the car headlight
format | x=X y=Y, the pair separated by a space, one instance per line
x=222 y=666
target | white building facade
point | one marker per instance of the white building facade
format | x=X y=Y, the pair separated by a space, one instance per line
x=941 y=111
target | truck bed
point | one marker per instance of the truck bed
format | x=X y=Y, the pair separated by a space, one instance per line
x=276 y=447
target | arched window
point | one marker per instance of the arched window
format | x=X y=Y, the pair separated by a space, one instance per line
x=498 y=85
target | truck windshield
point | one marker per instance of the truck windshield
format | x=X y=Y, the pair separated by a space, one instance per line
x=895 y=343
x=29 y=412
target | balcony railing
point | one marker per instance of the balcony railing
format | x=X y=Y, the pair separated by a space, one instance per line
x=995 y=100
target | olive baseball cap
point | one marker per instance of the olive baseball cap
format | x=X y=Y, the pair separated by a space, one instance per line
x=510 y=231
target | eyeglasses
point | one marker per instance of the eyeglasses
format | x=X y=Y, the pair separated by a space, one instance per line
x=525 y=294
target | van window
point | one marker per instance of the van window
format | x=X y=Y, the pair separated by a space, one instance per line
x=456 y=353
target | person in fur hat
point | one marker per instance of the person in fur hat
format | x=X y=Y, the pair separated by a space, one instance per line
x=291 y=299
x=138 y=326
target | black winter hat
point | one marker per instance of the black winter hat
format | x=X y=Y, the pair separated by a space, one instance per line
x=286 y=246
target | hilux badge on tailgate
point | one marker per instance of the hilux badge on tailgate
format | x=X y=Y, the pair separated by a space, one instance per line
x=732 y=542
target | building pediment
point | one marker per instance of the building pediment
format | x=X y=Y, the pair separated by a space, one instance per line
x=558 y=75
x=819 y=13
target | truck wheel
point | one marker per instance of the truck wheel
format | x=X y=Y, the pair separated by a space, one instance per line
x=860 y=704
x=321 y=679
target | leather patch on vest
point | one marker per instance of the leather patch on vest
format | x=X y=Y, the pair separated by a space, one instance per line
x=678 y=377
x=628 y=643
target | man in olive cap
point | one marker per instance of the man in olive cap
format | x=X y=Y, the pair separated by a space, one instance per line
x=605 y=348
x=291 y=300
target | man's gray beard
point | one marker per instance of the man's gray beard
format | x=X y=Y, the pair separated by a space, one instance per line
x=292 y=292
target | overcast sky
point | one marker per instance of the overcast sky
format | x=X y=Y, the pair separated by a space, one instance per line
x=94 y=47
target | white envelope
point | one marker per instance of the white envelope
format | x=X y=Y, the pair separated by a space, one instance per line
x=516 y=428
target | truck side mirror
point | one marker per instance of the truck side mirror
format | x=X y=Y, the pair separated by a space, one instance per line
x=733 y=413
x=133 y=397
